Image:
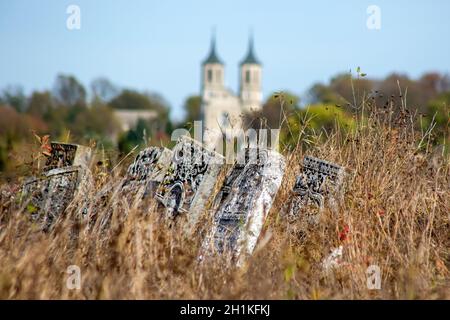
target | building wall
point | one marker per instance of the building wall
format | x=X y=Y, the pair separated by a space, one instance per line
x=129 y=118
x=221 y=112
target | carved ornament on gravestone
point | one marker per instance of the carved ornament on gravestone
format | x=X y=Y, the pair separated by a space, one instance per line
x=140 y=182
x=243 y=203
x=65 y=177
x=318 y=184
x=189 y=180
x=146 y=172
x=49 y=195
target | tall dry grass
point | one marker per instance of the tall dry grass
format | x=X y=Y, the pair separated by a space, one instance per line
x=395 y=214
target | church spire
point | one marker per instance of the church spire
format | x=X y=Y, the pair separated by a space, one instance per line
x=250 y=58
x=212 y=57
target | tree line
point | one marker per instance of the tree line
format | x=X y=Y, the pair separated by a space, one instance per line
x=71 y=112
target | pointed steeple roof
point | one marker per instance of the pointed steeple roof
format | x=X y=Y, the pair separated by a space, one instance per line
x=212 y=57
x=250 y=58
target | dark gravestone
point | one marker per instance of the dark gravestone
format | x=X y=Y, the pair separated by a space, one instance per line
x=244 y=202
x=66 y=155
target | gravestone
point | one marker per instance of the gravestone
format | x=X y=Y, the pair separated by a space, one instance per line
x=318 y=184
x=49 y=195
x=140 y=182
x=146 y=172
x=243 y=203
x=190 y=179
x=67 y=154
x=227 y=186
x=65 y=176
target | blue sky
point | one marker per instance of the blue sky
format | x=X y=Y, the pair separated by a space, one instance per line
x=159 y=45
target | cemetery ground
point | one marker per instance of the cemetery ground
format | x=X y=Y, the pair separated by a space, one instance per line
x=394 y=214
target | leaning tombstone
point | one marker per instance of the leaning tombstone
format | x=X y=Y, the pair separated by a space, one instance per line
x=238 y=166
x=146 y=172
x=49 y=195
x=243 y=204
x=319 y=184
x=190 y=179
x=140 y=183
x=65 y=177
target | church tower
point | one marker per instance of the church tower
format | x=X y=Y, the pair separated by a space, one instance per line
x=212 y=74
x=250 y=81
x=222 y=110
x=219 y=106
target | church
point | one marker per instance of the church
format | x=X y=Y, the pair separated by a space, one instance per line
x=221 y=109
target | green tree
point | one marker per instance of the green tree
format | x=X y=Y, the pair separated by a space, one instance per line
x=97 y=122
x=310 y=121
x=103 y=89
x=14 y=97
x=439 y=109
x=342 y=90
x=41 y=104
x=134 y=137
x=69 y=92
x=192 y=109
x=274 y=111
x=130 y=99
x=15 y=127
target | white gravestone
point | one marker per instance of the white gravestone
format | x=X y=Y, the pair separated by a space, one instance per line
x=244 y=203
x=146 y=172
x=190 y=179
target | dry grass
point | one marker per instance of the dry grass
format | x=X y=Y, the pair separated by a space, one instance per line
x=396 y=207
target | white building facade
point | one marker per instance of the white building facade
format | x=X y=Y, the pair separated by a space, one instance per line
x=222 y=110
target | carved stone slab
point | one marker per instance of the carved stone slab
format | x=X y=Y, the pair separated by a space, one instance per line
x=190 y=179
x=140 y=182
x=147 y=171
x=319 y=181
x=66 y=154
x=48 y=196
x=244 y=202
x=237 y=169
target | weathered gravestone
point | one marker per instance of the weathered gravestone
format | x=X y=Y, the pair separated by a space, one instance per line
x=67 y=154
x=190 y=179
x=49 y=195
x=65 y=176
x=243 y=203
x=140 y=182
x=146 y=172
x=318 y=184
